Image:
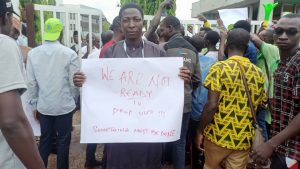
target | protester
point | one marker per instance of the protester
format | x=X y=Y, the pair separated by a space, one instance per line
x=95 y=48
x=75 y=47
x=199 y=99
x=267 y=61
x=177 y=46
x=251 y=53
x=106 y=36
x=150 y=34
x=211 y=39
x=14 y=126
x=134 y=155
x=55 y=101
x=285 y=128
x=117 y=36
x=226 y=121
x=190 y=31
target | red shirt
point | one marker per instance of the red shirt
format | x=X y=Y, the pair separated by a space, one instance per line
x=107 y=45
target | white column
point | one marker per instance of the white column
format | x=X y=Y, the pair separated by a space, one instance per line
x=42 y=25
x=90 y=32
x=67 y=33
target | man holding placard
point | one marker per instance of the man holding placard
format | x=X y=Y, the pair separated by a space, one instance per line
x=133 y=155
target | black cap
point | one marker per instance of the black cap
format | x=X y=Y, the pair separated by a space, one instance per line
x=6 y=6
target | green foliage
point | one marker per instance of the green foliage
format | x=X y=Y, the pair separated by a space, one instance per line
x=149 y=6
x=105 y=26
x=37 y=17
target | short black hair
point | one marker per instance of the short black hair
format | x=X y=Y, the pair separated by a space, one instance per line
x=128 y=6
x=116 y=25
x=238 y=39
x=106 y=37
x=182 y=31
x=243 y=24
x=172 y=21
x=198 y=42
x=213 y=37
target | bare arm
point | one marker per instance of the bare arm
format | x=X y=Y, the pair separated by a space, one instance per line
x=264 y=151
x=17 y=131
x=256 y=40
x=210 y=109
x=223 y=38
x=156 y=20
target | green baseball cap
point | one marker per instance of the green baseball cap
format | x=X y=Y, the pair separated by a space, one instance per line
x=53 y=28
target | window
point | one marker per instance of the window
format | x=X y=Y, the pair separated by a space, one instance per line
x=288 y=8
x=71 y=27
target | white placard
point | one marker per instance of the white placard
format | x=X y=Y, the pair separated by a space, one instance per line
x=132 y=100
x=231 y=16
x=28 y=109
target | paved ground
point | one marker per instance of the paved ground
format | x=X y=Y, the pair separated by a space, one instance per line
x=77 y=150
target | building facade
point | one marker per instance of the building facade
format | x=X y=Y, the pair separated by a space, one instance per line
x=255 y=7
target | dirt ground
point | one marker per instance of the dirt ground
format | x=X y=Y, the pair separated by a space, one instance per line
x=77 y=150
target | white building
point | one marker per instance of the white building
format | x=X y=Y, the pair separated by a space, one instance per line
x=255 y=7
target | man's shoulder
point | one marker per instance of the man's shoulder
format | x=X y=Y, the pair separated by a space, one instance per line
x=6 y=41
x=154 y=46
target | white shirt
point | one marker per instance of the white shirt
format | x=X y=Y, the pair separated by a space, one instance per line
x=213 y=54
x=94 y=54
x=11 y=78
x=50 y=70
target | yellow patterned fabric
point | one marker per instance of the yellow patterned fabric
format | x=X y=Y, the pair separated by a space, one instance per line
x=232 y=125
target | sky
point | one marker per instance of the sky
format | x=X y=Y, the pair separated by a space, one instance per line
x=110 y=9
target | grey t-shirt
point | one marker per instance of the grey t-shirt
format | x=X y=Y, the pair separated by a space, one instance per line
x=11 y=78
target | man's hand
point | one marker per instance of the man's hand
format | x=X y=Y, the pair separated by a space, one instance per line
x=185 y=74
x=36 y=115
x=201 y=17
x=199 y=140
x=166 y=4
x=262 y=153
x=78 y=79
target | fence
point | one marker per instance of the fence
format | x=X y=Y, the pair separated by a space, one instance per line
x=66 y=10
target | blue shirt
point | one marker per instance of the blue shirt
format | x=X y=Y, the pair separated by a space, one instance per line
x=50 y=70
x=199 y=97
x=251 y=52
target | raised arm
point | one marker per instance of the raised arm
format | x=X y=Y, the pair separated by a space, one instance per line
x=156 y=20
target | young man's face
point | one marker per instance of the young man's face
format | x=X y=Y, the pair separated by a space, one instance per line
x=165 y=31
x=132 y=23
x=287 y=33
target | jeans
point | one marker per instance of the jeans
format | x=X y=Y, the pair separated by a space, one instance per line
x=178 y=151
x=261 y=116
x=62 y=126
x=90 y=153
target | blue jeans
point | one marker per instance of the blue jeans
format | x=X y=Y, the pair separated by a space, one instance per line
x=90 y=153
x=62 y=126
x=261 y=119
x=178 y=151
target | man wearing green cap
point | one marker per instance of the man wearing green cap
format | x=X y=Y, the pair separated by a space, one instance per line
x=16 y=137
x=50 y=69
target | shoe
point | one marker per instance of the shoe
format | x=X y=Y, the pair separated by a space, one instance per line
x=92 y=164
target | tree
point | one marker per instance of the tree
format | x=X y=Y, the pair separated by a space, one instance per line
x=149 y=6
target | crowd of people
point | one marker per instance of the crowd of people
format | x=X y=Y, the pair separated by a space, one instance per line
x=233 y=79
